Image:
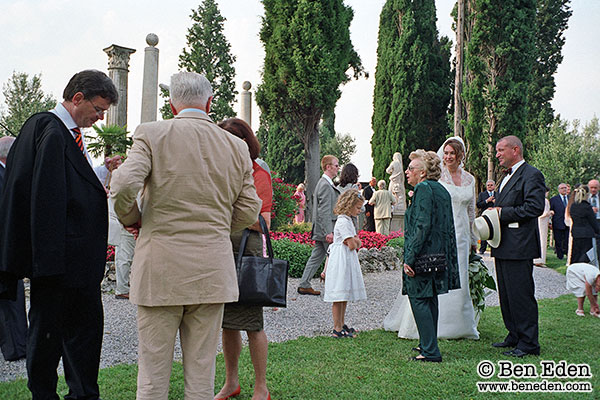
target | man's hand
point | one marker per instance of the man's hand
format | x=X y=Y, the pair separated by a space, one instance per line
x=491 y=198
x=134 y=229
x=368 y=213
x=329 y=238
x=408 y=270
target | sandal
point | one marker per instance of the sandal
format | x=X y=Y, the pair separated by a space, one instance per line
x=340 y=334
x=595 y=315
x=417 y=349
x=580 y=313
x=351 y=331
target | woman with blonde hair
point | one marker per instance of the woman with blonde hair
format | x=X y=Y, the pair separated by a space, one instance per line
x=585 y=226
x=301 y=201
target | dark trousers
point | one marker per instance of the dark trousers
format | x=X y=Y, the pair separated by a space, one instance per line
x=561 y=242
x=13 y=326
x=517 y=303
x=369 y=224
x=426 y=311
x=68 y=323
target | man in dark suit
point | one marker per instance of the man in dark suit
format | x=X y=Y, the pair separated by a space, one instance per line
x=13 y=317
x=520 y=202
x=53 y=230
x=486 y=200
x=368 y=192
x=558 y=205
x=324 y=199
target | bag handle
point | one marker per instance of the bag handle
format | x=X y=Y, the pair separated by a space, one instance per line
x=246 y=234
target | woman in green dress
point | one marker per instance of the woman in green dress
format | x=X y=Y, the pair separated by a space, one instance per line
x=429 y=229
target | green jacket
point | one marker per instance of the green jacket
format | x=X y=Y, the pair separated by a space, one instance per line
x=429 y=229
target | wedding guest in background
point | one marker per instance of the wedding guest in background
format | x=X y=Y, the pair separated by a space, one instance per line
x=543 y=221
x=583 y=280
x=299 y=217
x=585 y=226
x=560 y=230
x=368 y=192
x=382 y=200
x=349 y=180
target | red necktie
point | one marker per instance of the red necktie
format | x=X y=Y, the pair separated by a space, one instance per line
x=79 y=139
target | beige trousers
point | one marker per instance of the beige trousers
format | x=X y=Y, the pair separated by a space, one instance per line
x=382 y=225
x=199 y=329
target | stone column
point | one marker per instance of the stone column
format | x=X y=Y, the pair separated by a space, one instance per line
x=246 y=103
x=150 y=85
x=118 y=69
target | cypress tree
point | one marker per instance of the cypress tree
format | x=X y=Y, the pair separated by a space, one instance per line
x=412 y=83
x=307 y=53
x=208 y=53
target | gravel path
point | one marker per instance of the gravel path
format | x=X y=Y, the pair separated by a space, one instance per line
x=304 y=316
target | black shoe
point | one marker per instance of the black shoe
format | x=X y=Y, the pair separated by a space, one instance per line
x=503 y=344
x=520 y=353
x=427 y=359
x=417 y=349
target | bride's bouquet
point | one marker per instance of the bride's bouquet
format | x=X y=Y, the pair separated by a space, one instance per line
x=479 y=280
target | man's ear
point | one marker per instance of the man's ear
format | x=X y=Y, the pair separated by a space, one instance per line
x=77 y=98
x=173 y=110
x=208 y=104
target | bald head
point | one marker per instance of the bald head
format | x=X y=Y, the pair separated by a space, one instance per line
x=5 y=144
x=593 y=185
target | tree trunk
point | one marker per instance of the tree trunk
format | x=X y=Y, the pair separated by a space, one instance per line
x=490 y=163
x=312 y=164
x=458 y=131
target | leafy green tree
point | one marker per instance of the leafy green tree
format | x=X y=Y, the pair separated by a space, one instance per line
x=307 y=54
x=570 y=154
x=24 y=97
x=412 y=82
x=500 y=56
x=208 y=53
x=109 y=141
x=282 y=150
x=552 y=18
x=343 y=146
x=165 y=110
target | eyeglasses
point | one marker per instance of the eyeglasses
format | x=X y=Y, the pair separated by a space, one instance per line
x=411 y=168
x=99 y=111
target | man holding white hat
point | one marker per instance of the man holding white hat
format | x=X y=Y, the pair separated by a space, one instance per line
x=519 y=203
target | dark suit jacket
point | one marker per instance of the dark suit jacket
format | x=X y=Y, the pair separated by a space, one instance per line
x=368 y=193
x=558 y=219
x=429 y=229
x=585 y=224
x=1 y=179
x=481 y=200
x=53 y=212
x=522 y=202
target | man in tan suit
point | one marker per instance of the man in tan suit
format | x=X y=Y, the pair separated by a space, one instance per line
x=197 y=188
x=383 y=200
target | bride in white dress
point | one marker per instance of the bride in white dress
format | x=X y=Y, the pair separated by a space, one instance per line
x=457 y=318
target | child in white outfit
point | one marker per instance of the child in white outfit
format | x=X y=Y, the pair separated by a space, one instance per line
x=344 y=281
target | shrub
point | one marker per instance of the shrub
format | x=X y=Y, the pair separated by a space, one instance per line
x=303 y=227
x=296 y=253
x=284 y=206
x=398 y=244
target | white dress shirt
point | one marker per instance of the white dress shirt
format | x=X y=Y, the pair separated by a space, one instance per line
x=61 y=112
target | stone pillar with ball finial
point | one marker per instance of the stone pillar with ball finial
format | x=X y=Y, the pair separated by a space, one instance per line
x=150 y=83
x=246 y=103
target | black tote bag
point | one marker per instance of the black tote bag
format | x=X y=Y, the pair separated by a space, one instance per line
x=262 y=281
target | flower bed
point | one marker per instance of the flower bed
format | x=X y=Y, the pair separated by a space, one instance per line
x=369 y=239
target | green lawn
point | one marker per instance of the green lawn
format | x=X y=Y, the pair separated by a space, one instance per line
x=553 y=262
x=376 y=364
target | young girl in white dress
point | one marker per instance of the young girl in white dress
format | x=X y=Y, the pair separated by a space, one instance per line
x=344 y=281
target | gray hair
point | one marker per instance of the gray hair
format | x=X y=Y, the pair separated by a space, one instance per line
x=189 y=88
x=381 y=184
x=560 y=184
x=490 y=181
x=5 y=144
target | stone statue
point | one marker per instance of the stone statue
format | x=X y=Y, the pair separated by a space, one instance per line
x=397 y=182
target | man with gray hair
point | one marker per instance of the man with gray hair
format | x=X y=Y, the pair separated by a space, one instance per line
x=197 y=188
x=486 y=200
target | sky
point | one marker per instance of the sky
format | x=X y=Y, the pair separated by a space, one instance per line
x=57 y=38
